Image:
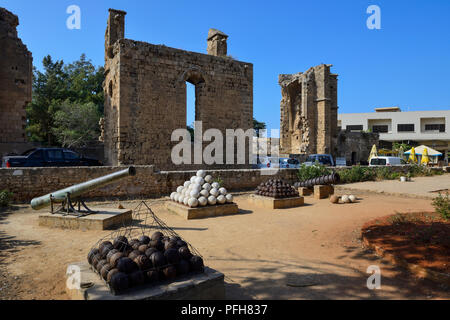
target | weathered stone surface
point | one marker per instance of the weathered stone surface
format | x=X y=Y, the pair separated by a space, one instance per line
x=145 y=95
x=272 y=203
x=202 y=212
x=15 y=80
x=309 y=111
x=204 y=286
x=323 y=191
x=104 y=219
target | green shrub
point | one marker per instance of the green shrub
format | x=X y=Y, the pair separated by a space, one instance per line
x=441 y=205
x=5 y=198
x=314 y=171
x=356 y=174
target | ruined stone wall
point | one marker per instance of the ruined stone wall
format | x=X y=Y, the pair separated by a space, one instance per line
x=16 y=65
x=145 y=90
x=309 y=111
x=355 y=147
x=27 y=183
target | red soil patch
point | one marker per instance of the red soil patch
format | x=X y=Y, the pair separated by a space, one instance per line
x=421 y=238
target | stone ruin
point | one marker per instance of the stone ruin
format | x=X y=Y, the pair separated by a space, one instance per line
x=16 y=65
x=309 y=122
x=145 y=94
x=308 y=111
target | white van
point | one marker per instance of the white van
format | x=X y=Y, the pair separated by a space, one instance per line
x=386 y=161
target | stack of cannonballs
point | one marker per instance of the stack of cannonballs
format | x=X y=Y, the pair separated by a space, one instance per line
x=201 y=191
x=277 y=189
x=125 y=264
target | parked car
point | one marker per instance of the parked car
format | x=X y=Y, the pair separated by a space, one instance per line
x=387 y=161
x=289 y=163
x=48 y=157
x=324 y=159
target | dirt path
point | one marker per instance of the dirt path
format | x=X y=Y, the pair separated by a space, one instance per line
x=312 y=252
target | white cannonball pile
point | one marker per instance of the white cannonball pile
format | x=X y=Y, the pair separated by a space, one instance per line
x=201 y=191
x=348 y=198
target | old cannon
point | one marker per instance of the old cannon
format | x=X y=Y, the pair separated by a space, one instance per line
x=323 y=180
x=71 y=198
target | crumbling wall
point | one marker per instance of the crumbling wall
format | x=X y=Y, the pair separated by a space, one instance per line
x=309 y=111
x=16 y=65
x=145 y=94
x=355 y=147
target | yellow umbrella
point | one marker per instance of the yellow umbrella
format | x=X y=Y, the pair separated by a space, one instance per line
x=425 y=158
x=412 y=156
x=373 y=152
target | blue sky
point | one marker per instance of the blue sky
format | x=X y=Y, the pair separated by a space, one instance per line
x=406 y=63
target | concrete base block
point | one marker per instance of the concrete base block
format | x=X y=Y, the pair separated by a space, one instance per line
x=305 y=191
x=205 y=286
x=104 y=219
x=202 y=212
x=272 y=203
x=323 y=191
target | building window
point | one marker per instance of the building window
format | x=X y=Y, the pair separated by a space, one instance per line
x=380 y=129
x=355 y=128
x=435 y=127
x=405 y=128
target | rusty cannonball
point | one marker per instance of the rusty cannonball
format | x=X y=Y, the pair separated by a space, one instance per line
x=100 y=265
x=143 y=262
x=134 y=254
x=110 y=274
x=110 y=254
x=181 y=243
x=334 y=199
x=96 y=259
x=157 y=244
x=105 y=270
x=158 y=260
x=115 y=258
x=152 y=276
x=183 y=267
x=157 y=236
x=150 y=251
x=119 y=282
x=196 y=264
x=170 y=272
x=120 y=243
x=91 y=254
x=142 y=248
x=172 y=256
x=144 y=239
x=171 y=244
x=136 y=278
x=105 y=251
x=103 y=244
x=126 y=265
x=185 y=253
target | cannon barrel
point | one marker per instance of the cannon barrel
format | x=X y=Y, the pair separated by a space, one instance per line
x=79 y=189
x=330 y=179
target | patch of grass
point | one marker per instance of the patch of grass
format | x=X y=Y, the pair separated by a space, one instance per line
x=5 y=198
x=441 y=205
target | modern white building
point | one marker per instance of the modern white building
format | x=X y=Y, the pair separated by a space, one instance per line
x=430 y=128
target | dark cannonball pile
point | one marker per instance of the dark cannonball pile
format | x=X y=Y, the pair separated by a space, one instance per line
x=125 y=263
x=277 y=189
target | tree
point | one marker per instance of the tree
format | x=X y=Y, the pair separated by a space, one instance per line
x=79 y=82
x=76 y=123
x=258 y=126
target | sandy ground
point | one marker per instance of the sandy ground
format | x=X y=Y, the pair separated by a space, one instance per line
x=422 y=187
x=311 y=252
